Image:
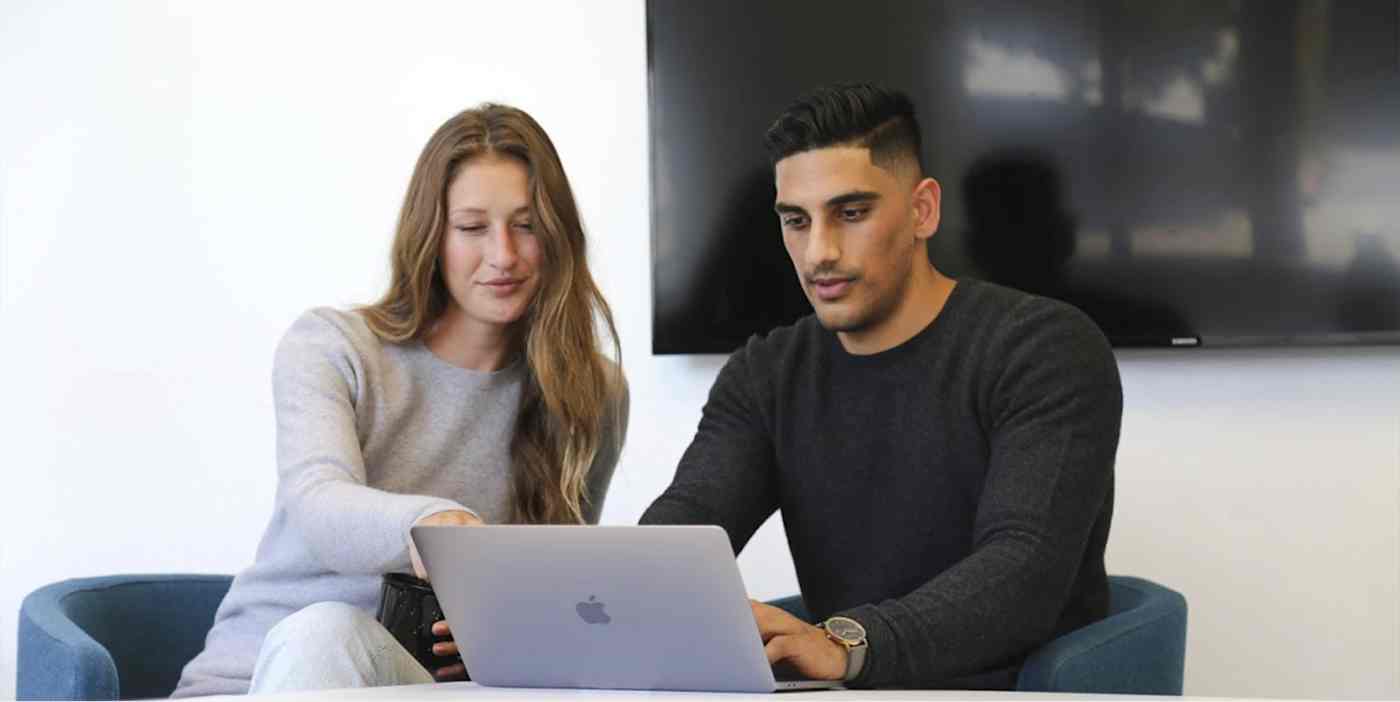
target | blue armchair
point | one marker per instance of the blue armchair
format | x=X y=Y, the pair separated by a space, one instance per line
x=1140 y=648
x=113 y=638
x=93 y=639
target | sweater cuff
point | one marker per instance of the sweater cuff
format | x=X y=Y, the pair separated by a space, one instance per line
x=881 y=653
x=441 y=505
x=435 y=505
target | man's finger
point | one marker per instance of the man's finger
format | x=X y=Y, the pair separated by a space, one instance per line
x=808 y=655
x=445 y=648
x=779 y=649
x=440 y=628
x=773 y=621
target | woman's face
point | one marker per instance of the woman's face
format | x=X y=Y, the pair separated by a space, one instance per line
x=490 y=252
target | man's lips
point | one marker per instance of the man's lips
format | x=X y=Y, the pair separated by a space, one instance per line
x=828 y=289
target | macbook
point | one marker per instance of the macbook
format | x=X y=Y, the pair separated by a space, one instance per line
x=615 y=607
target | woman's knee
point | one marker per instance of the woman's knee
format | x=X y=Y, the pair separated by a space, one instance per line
x=332 y=645
x=323 y=623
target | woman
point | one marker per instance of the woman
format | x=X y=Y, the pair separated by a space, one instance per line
x=475 y=390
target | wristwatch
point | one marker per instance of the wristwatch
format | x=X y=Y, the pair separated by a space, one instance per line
x=850 y=634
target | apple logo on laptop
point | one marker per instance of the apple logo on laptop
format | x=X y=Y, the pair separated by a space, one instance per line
x=592 y=611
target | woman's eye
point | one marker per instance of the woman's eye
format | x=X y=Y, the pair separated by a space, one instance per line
x=471 y=228
x=525 y=226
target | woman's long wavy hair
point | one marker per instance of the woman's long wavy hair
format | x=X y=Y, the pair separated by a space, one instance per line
x=570 y=386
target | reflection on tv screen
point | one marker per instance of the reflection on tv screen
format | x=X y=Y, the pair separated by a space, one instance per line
x=1214 y=172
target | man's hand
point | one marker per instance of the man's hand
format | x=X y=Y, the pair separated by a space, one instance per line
x=447 y=647
x=803 y=647
x=451 y=517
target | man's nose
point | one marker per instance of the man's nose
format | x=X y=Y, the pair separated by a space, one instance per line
x=823 y=247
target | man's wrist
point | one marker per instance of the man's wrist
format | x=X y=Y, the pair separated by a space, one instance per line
x=849 y=634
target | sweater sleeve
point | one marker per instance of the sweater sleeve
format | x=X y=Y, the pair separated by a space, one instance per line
x=1054 y=406
x=726 y=476
x=347 y=526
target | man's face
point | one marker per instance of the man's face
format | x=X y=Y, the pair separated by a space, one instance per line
x=849 y=228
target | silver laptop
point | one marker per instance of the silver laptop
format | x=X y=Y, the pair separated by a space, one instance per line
x=615 y=607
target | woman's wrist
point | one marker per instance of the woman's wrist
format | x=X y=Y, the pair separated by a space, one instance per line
x=450 y=517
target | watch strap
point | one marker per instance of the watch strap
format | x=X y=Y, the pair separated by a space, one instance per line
x=855 y=660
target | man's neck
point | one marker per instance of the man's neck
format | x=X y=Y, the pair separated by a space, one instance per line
x=922 y=302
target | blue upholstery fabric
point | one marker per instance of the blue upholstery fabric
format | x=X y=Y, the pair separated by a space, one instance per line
x=119 y=637
x=1140 y=648
x=128 y=637
x=793 y=605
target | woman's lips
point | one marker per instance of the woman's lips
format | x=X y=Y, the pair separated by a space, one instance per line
x=503 y=287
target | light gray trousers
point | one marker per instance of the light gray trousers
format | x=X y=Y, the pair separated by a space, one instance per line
x=329 y=646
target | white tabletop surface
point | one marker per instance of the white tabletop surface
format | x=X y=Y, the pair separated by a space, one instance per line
x=471 y=692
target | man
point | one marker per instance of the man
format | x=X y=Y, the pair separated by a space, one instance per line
x=941 y=451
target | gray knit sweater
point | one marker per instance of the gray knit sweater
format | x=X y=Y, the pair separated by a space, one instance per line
x=371 y=437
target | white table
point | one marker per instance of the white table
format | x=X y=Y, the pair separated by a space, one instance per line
x=471 y=692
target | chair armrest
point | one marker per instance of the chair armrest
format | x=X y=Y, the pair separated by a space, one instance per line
x=111 y=637
x=57 y=660
x=1135 y=650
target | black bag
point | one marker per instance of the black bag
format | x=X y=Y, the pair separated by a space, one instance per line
x=408 y=608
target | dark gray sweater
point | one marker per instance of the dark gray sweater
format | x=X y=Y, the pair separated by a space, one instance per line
x=953 y=494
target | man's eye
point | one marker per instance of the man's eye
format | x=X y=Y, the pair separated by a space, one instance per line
x=854 y=213
x=794 y=222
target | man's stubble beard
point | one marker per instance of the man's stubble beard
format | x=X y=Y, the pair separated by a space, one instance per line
x=878 y=311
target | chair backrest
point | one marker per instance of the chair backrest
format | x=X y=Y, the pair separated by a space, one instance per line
x=793 y=605
x=149 y=627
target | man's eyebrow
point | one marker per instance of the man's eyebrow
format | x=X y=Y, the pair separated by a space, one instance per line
x=853 y=196
x=842 y=199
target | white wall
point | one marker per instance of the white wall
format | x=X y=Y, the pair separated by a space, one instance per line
x=178 y=182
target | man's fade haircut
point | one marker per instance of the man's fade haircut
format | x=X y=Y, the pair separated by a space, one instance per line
x=857 y=114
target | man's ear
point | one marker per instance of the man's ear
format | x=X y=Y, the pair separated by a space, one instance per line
x=928 y=196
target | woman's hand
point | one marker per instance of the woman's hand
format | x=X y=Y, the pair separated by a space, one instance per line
x=447 y=647
x=451 y=517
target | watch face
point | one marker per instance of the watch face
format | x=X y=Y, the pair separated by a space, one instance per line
x=848 y=630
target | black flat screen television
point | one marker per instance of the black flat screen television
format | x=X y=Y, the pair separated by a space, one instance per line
x=1187 y=173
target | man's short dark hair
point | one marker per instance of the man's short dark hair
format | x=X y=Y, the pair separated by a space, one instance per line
x=860 y=114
